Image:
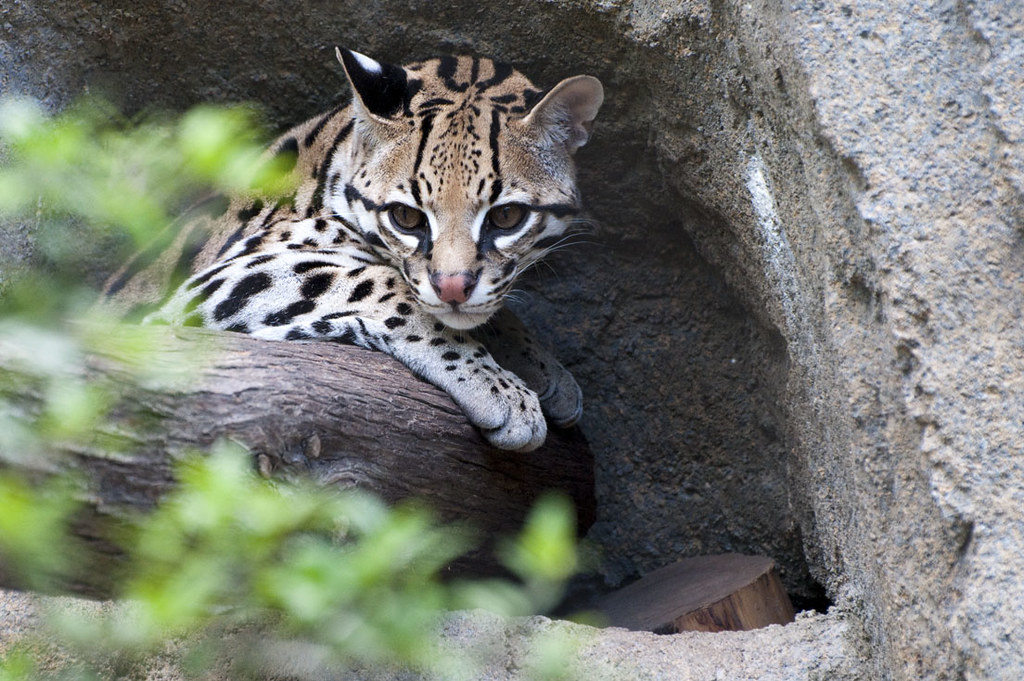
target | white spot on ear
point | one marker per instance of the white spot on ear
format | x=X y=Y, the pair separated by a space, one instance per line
x=369 y=65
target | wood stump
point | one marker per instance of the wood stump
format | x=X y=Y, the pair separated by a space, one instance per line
x=341 y=415
x=729 y=592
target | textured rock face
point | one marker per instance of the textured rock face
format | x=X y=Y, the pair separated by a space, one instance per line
x=814 y=647
x=797 y=326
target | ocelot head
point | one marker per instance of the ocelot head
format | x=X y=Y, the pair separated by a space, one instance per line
x=460 y=172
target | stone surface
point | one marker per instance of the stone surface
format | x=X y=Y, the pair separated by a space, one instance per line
x=814 y=647
x=797 y=324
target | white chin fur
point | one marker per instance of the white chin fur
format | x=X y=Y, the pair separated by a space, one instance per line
x=462 y=321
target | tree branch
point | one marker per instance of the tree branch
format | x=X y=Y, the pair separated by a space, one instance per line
x=339 y=414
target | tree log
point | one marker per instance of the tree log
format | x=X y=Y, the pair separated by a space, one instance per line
x=727 y=592
x=339 y=414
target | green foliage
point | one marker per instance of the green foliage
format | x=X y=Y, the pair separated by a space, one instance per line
x=30 y=520
x=354 y=580
x=349 y=577
x=79 y=178
x=89 y=181
x=18 y=665
x=90 y=162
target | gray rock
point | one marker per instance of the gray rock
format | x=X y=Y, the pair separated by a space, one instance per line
x=798 y=322
x=478 y=646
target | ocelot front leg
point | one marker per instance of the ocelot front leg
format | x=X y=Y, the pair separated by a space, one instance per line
x=495 y=400
x=514 y=348
x=297 y=295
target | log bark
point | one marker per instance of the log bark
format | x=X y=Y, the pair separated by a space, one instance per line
x=727 y=592
x=341 y=415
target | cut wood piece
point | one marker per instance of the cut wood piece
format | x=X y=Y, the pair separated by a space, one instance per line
x=338 y=414
x=728 y=592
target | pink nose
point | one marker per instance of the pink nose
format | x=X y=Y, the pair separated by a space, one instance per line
x=453 y=289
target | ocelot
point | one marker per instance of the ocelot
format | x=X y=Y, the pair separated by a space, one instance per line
x=418 y=205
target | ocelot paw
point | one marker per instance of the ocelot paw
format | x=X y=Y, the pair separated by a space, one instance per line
x=560 y=396
x=562 y=402
x=507 y=413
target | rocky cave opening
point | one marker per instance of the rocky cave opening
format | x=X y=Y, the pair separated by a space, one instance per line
x=684 y=375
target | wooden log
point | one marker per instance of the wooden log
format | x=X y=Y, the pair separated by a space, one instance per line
x=729 y=592
x=341 y=415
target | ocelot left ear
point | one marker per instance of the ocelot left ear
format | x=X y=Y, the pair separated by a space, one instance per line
x=380 y=88
x=566 y=114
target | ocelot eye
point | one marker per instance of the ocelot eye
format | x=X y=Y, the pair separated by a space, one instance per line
x=406 y=218
x=507 y=217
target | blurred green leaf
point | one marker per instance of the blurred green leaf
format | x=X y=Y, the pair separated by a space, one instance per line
x=546 y=549
x=33 y=523
x=90 y=162
x=18 y=664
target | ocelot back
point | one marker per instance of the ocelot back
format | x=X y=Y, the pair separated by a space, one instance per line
x=418 y=205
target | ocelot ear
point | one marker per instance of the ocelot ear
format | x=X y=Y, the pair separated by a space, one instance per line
x=379 y=88
x=566 y=114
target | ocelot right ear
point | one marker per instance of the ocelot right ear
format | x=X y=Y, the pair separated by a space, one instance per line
x=379 y=88
x=566 y=114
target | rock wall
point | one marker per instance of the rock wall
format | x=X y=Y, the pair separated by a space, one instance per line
x=797 y=321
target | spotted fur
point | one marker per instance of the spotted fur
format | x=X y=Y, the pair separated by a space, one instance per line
x=418 y=205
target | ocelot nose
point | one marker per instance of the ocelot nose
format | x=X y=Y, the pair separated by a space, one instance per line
x=453 y=289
